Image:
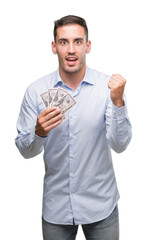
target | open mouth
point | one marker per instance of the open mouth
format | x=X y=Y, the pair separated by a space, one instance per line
x=71 y=60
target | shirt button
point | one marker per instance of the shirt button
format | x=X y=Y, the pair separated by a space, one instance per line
x=73 y=156
x=119 y=113
x=72 y=194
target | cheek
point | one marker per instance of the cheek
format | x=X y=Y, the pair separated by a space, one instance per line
x=61 y=52
x=83 y=53
x=61 y=56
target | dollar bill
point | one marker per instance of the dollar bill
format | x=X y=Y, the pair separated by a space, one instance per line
x=59 y=94
x=58 y=97
x=51 y=95
x=65 y=103
x=44 y=97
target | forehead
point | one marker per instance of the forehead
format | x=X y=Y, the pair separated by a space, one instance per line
x=70 y=31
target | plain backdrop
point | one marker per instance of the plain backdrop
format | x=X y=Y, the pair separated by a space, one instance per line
x=117 y=30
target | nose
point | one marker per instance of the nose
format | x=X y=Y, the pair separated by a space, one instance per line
x=71 y=48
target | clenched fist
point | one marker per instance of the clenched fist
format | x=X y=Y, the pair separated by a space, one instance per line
x=117 y=85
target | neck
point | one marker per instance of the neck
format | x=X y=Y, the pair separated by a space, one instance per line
x=72 y=79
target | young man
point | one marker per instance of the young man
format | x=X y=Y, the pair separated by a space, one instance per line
x=79 y=183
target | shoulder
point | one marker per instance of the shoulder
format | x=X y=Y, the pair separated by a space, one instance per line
x=42 y=84
x=99 y=76
x=99 y=79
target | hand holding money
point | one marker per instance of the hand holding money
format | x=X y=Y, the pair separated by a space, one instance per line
x=47 y=120
x=57 y=101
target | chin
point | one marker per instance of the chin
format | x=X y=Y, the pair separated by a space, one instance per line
x=72 y=69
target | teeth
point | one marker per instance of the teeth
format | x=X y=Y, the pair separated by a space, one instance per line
x=71 y=59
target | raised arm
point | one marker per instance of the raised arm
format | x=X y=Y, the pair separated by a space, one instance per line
x=119 y=130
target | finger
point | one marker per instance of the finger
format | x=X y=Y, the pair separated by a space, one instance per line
x=52 y=114
x=47 y=111
x=113 y=82
x=113 y=85
x=118 y=77
x=117 y=82
x=47 y=129
x=110 y=85
x=52 y=120
x=46 y=115
x=44 y=131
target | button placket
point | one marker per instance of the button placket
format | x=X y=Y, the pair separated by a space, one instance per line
x=71 y=153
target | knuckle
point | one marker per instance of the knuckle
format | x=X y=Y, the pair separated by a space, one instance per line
x=39 y=121
x=49 y=127
x=50 y=122
x=51 y=115
x=38 y=117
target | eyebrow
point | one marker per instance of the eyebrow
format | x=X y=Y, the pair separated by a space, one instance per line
x=79 y=39
x=65 y=39
x=62 y=39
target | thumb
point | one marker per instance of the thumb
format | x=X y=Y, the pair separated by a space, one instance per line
x=109 y=85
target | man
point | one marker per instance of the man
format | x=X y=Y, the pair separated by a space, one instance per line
x=79 y=183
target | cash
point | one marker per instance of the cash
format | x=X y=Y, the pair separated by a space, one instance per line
x=58 y=97
x=51 y=95
x=44 y=97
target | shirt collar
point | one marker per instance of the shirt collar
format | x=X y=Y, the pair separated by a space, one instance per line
x=88 y=78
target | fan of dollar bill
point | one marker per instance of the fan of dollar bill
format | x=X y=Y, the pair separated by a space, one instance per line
x=58 y=97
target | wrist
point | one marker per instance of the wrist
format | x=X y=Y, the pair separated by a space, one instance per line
x=119 y=103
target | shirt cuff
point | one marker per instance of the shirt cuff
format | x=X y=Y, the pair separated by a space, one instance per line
x=119 y=113
x=35 y=138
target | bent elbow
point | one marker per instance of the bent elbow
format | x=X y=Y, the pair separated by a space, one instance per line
x=119 y=149
x=24 y=153
x=122 y=146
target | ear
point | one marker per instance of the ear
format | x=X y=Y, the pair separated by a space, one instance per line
x=54 y=50
x=88 y=48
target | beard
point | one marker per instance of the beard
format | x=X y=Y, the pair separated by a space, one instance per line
x=73 y=68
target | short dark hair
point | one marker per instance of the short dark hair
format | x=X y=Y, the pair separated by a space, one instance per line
x=70 y=19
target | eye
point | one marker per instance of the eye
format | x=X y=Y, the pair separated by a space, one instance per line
x=63 y=43
x=77 y=42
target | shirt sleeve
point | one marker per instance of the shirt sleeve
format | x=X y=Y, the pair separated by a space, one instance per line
x=119 y=129
x=28 y=143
